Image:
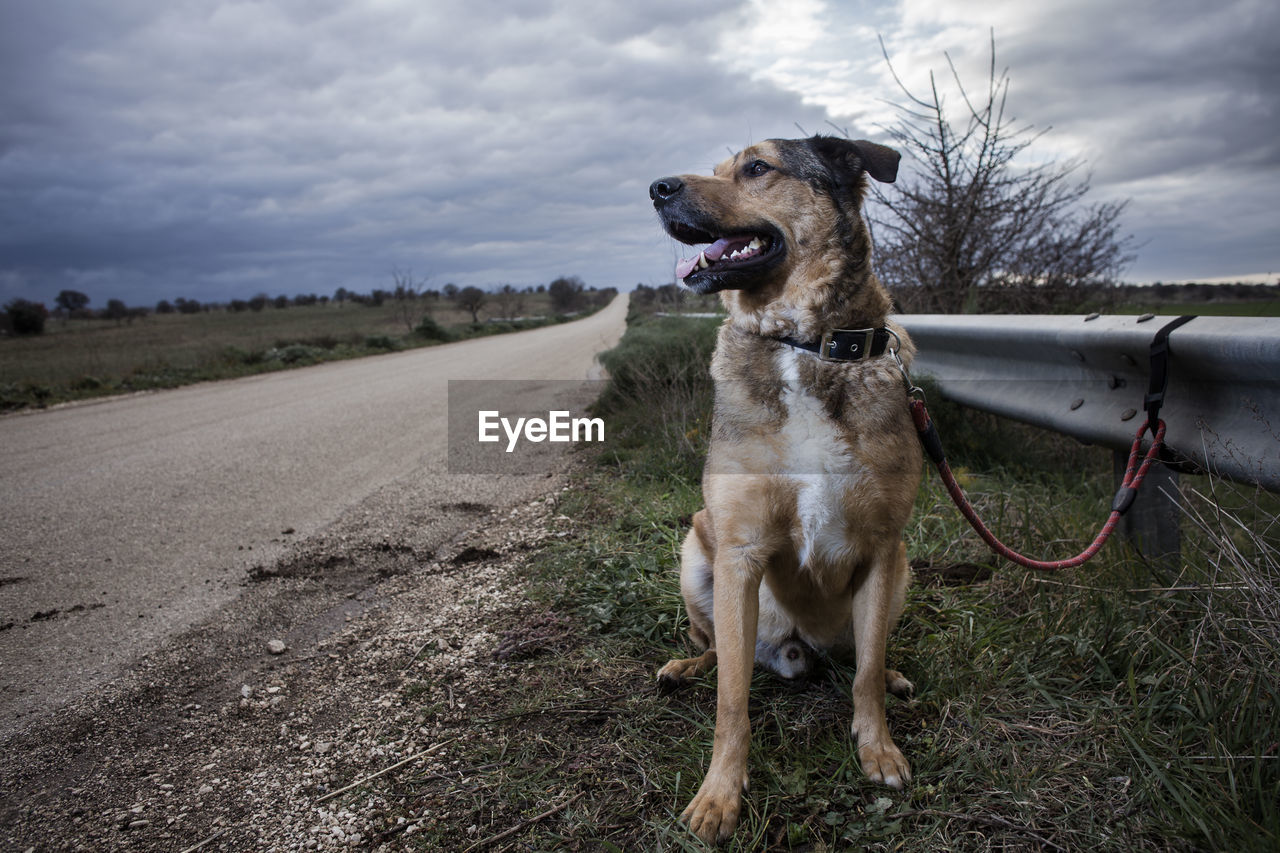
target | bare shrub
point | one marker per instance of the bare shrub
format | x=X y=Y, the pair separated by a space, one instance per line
x=970 y=229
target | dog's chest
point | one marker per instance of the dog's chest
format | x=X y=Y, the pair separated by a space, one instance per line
x=818 y=461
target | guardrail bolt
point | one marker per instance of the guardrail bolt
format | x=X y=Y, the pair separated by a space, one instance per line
x=1127 y=414
x=1077 y=403
x=1115 y=382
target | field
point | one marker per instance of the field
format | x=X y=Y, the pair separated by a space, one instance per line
x=1259 y=308
x=81 y=358
x=1118 y=707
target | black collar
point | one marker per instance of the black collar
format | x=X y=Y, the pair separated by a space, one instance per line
x=846 y=344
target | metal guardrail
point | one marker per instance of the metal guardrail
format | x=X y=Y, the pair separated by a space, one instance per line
x=1087 y=378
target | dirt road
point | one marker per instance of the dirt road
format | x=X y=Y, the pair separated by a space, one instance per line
x=128 y=521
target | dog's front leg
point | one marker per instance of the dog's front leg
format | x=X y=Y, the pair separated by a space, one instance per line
x=877 y=602
x=713 y=813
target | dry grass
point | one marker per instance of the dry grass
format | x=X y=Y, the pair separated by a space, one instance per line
x=85 y=358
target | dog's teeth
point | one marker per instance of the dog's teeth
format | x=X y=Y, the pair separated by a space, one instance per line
x=755 y=243
x=702 y=261
x=735 y=254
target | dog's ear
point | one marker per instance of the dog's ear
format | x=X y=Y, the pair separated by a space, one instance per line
x=880 y=161
x=848 y=157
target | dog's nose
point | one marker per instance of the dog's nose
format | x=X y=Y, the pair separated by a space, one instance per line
x=664 y=188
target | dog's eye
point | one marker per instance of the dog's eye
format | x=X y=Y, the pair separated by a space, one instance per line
x=756 y=168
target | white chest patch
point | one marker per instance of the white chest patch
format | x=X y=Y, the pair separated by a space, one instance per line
x=819 y=463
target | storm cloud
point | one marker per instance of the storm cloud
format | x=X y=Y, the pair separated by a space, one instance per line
x=213 y=150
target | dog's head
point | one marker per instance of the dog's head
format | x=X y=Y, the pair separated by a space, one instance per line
x=783 y=210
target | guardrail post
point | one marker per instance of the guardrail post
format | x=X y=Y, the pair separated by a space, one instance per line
x=1153 y=525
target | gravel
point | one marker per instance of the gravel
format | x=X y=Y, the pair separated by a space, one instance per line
x=226 y=740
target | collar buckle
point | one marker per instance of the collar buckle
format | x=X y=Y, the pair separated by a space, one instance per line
x=856 y=350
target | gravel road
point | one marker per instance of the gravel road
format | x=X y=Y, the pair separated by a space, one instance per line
x=125 y=522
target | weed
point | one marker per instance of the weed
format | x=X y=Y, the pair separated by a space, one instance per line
x=294 y=354
x=382 y=342
x=431 y=330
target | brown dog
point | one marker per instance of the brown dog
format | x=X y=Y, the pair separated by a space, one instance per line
x=814 y=462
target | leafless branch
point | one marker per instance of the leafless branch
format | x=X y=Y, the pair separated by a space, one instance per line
x=970 y=228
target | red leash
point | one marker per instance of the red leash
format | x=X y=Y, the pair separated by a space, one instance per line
x=1134 y=471
x=1133 y=475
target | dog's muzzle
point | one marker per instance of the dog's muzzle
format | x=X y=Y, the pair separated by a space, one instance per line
x=665 y=189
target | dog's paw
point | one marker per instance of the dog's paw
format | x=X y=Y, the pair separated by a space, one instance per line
x=668 y=684
x=712 y=815
x=677 y=673
x=674 y=675
x=883 y=762
x=897 y=684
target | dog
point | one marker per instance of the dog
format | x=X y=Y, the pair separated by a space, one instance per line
x=813 y=462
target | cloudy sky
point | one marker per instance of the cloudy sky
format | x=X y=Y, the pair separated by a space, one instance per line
x=153 y=149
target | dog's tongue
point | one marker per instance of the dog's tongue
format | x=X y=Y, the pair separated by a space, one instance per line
x=717 y=249
x=712 y=253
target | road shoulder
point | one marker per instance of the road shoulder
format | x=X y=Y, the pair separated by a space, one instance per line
x=214 y=738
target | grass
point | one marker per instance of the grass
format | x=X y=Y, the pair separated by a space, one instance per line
x=1119 y=707
x=78 y=359
x=1234 y=308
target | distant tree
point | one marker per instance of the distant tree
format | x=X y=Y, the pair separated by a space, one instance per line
x=26 y=317
x=341 y=295
x=259 y=302
x=238 y=305
x=472 y=299
x=164 y=306
x=115 y=310
x=280 y=301
x=411 y=307
x=508 y=300
x=566 y=293
x=71 y=301
x=451 y=291
x=187 y=306
x=968 y=229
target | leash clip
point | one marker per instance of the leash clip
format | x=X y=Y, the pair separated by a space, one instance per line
x=913 y=390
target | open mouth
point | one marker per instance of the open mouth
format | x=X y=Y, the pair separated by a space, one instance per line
x=725 y=253
x=713 y=267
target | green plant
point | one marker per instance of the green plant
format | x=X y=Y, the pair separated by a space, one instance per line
x=383 y=342
x=430 y=329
